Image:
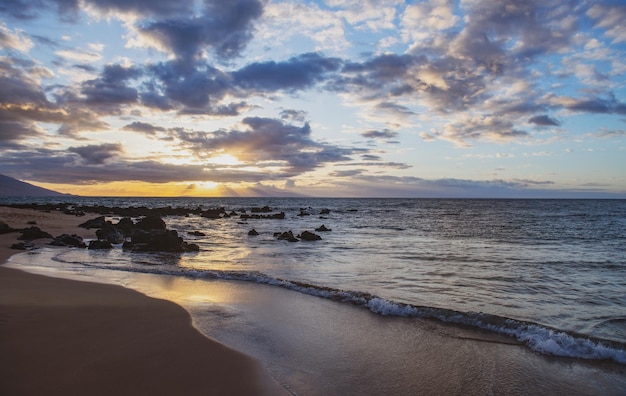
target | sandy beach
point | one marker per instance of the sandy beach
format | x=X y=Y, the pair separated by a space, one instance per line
x=65 y=337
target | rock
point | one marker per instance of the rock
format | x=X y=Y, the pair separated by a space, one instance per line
x=159 y=241
x=100 y=244
x=33 y=232
x=32 y=222
x=5 y=228
x=151 y=223
x=196 y=233
x=98 y=222
x=213 y=213
x=323 y=229
x=68 y=240
x=126 y=225
x=303 y=213
x=309 y=236
x=265 y=209
x=278 y=216
x=253 y=232
x=325 y=211
x=111 y=233
x=287 y=236
x=22 y=246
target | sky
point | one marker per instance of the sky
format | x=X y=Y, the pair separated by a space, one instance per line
x=335 y=98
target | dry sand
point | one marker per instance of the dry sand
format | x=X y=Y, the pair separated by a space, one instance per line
x=65 y=337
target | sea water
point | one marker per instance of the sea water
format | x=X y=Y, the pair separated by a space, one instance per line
x=550 y=274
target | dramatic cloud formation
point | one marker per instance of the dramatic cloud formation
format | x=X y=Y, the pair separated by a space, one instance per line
x=326 y=97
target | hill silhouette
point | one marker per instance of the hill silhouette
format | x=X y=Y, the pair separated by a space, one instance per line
x=10 y=187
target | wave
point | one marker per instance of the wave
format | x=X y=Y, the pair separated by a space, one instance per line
x=537 y=337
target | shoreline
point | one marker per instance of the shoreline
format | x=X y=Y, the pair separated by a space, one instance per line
x=61 y=336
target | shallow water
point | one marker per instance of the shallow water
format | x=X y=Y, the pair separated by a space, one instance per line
x=548 y=273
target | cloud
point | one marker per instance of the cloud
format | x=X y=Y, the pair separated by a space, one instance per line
x=544 y=120
x=384 y=134
x=61 y=166
x=481 y=127
x=610 y=105
x=610 y=17
x=29 y=9
x=111 y=88
x=143 y=127
x=97 y=154
x=223 y=26
x=15 y=40
x=297 y=73
x=269 y=141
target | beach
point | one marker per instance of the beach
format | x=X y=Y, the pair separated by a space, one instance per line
x=70 y=337
x=66 y=337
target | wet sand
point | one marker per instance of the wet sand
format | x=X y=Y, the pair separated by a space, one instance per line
x=65 y=337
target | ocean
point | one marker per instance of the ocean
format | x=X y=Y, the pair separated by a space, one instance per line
x=547 y=274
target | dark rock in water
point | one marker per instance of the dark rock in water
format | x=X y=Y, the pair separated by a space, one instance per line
x=278 y=216
x=197 y=233
x=126 y=225
x=4 y=228
x=32 y=222
x=323 y=229
x=22 y=246
x=151 y=223
x=309 y=236
x=287 y=236
x=253 y=232
x=213 y=213
x=98 y=222
x=159 y=241
x=325 y=211
x=34 y=232
x=100 y=244
x=68 y=240
x=233 y=213
x=303 y=213
x=265 y=209
x=111 y=233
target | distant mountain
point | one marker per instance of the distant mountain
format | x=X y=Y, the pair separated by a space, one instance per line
x=10 y=187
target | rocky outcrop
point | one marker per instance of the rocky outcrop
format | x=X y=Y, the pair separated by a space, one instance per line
x=196 y=233
x=287 y=236
x=278 y=216
x=23 y=246
x=309 y=236
x=100 y=244
x=323 y=228
x=98 y=222
x=4 y=228
x=67 y=240
x=111 y=233
x=151 y=223
x=253 y=232
x=157 y=240
x=34 y=232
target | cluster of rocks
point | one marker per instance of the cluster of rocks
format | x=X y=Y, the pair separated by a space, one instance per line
x=149 y=234
x=290 y=237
